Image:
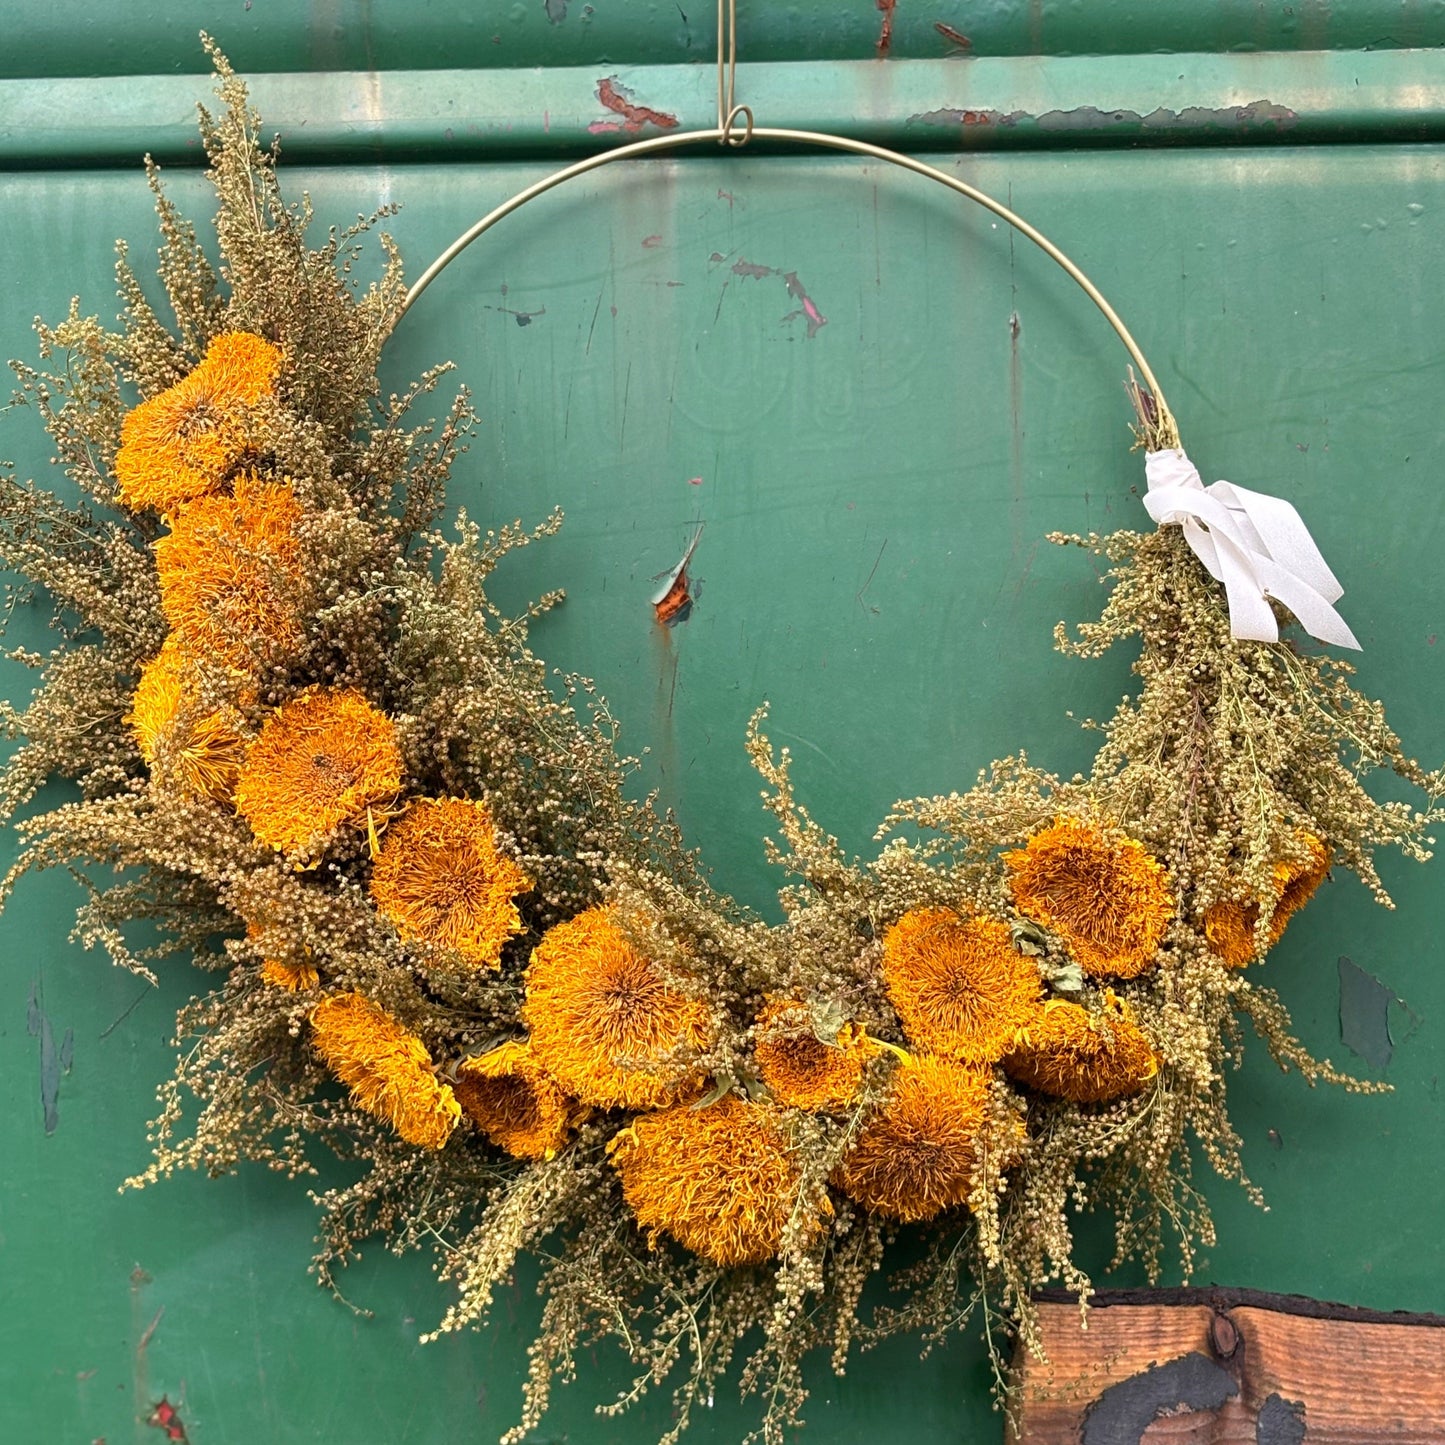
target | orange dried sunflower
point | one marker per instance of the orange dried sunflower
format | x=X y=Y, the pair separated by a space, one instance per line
x=918 y=1154
x=294 y=977
x=200 y=750
x=440 y=880
x=1108 y=899
x=1230 y=924
x=958 y=984
x=231 y=574
x=386 y=1067
x=721 y=1181
x=1087 y=1057
x=605 y=1023
x=323 y=760
x=181 y=443
x=802 y=1071
x=515 y=1102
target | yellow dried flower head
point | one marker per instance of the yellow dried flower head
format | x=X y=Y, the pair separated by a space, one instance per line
x=322 y=760
x=1230 y=924
x=440 y=880
x=200 y=751
x=515 y=1102
x=231 y=574
x=721 y=1180
x=917 y=1155
x=802 y=1071
x=1087 y=1057
x=294 y=977
x=958 y=985
x=1108 y=899
x=180 y=444
x=386 y=1067
x=603 y=1020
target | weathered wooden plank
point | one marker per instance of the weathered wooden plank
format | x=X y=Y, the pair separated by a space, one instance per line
x=1230 y=1368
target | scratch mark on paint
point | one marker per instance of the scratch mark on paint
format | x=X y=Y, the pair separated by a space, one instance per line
x=750 y=270
x=626 y=392
x=672 y=602
x=595 y=311
x=618 y=99
x=858 y=595
x=885 y=32
x=727 y=196
x=53 y=1061
x=955 y=38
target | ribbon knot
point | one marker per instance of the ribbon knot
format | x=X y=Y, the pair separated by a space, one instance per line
x=1256 y=545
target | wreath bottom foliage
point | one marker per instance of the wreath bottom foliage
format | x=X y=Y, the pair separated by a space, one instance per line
x=453 y=949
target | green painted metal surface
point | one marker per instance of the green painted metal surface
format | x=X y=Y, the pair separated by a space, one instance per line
x=874 y=493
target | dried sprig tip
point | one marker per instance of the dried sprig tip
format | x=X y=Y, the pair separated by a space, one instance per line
x=181 y=444
x=322 y=760
x=180 y=741
x=720 y=1180
x=1106 y=897
x=605 y=1023
x=514 y=1101
x=918 y=1154
x=1231 y=925
x=958 y=984
x=386 y=1067
x=804 y=1070
x=1088 y=1057
x=231 y=575
x=441 y=881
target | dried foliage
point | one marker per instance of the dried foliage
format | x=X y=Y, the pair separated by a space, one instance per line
x=308 y=751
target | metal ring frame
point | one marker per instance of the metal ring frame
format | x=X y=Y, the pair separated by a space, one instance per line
x=726 y=134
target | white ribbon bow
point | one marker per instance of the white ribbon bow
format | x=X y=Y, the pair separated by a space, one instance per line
x=1256 y=545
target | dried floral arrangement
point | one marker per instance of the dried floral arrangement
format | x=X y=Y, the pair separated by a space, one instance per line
x=313 y=757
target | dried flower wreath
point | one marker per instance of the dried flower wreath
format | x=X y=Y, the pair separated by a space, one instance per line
x=452 y=946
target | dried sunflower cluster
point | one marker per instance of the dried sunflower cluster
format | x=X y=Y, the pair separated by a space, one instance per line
x=319 y=762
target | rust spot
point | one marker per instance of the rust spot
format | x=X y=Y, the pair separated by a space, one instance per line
x=618 y=99
x=672 y=602
x=885 y=32
x=956 y=38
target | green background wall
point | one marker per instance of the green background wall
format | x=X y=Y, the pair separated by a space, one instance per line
x=874 y=496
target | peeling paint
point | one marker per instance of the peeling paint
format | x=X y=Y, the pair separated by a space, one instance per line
x=956 y=38
x=556 y=10
x=1365 y=1005
x=751 y=271
x=618 y=99
x=672 y=602
x=885 y=31
x=1258 y=115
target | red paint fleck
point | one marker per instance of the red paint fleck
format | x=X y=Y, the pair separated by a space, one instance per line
x=1430 y=641
x=618 y=99
x=954 y=37
x=164 y=1417
x=750 y=270
x=885 y=33
x=651 y=241
x=697 y=482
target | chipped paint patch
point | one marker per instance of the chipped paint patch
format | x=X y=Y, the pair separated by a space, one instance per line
x=885 y=31
x=956 y=38
x=1366 y=1008
x=618 y=99
x=54 y=1062
x=807 y=308
x=1258 y=116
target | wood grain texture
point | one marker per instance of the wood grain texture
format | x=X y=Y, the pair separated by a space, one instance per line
x=1296 y=1374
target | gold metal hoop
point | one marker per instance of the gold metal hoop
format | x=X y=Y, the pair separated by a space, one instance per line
x=726 y=134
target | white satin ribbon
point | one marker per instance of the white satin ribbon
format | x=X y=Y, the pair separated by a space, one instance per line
x=1256 y=545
